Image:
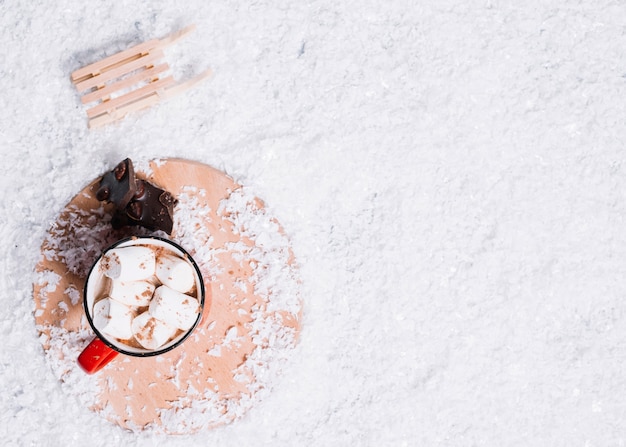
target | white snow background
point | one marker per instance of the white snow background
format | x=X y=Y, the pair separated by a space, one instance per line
x=452 y=177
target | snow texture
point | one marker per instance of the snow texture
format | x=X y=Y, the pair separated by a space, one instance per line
x=451 y=175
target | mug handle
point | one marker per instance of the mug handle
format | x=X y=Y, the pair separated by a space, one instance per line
x=95 y=356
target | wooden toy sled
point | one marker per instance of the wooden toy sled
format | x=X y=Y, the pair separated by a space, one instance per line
x=130 y=80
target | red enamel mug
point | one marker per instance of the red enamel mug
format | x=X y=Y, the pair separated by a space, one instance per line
x=105 y=348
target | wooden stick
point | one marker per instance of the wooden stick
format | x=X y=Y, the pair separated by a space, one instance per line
x=135 y=95
x=128 y=55
x=176 y=36
x=183 y=86
x=148 y=101
x=105 y=64
x=101 y=79
x=143 y=75
x=122 y=111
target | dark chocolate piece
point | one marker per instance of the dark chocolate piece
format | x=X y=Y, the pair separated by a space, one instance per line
x=118 y=186
x=151 y=207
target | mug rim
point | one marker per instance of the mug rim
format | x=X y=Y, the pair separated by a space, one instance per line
x=201 y=298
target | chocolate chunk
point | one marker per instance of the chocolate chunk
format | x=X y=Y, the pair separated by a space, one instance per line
x=150 y=207
x=137 y=202
x=118 y=186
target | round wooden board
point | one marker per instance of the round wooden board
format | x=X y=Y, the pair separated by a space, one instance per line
x=250 y=323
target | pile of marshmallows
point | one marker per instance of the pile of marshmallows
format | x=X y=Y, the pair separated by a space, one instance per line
x=144 y=277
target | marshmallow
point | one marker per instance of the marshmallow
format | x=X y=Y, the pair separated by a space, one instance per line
x=174 y=308
x=113 y=318
x=175 y=272
x=134 y=293
x=150 y=332
x=127 y=264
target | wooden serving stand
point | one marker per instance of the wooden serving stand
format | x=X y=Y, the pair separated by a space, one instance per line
x=211 y=372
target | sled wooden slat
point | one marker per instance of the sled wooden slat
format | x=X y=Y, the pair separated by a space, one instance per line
x=110 y=62
x=144 y=75
x=133 y=96
x=122 y=111
x=147 y=60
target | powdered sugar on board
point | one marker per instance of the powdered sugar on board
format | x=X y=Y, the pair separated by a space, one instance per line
x=248 y=329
